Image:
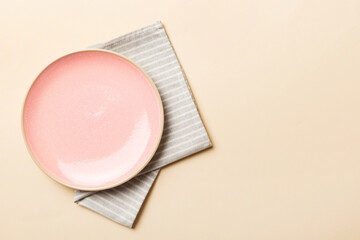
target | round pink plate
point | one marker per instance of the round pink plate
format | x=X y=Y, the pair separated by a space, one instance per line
x=92 y=120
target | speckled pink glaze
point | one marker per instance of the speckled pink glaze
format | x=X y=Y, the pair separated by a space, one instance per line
x=92 y=120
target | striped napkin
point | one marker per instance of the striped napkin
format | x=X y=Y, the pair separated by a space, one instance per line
x=184 y=133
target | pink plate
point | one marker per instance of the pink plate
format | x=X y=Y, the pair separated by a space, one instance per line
x=92 y=120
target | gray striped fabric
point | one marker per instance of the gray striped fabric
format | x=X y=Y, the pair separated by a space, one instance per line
x=184 y=133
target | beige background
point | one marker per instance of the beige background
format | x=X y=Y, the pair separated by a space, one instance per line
x=277 y=83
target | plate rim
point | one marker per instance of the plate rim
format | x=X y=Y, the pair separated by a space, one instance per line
x=115 y=184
